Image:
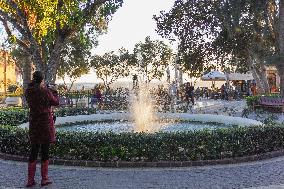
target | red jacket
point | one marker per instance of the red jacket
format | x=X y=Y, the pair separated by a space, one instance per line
x=40 y=100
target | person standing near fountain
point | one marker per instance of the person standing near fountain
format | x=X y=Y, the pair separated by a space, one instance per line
x=96 y=98
x=40 y=98
x=189 y=95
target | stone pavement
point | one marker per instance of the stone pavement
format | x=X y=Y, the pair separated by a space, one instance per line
x=267 y=174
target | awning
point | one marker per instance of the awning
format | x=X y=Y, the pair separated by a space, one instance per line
x=240 y=76
x=214 y=76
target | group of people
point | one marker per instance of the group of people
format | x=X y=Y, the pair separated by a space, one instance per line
x=185 y=94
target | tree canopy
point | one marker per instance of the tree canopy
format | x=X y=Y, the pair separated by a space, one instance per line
x=238 y=33
x=43 y=27
x=151 y=58
x=109 y=67
x=75 y=59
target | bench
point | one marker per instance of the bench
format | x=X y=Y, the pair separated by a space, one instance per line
x=13 y=101
x=271 y=102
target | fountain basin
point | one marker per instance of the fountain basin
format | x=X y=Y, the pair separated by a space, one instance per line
x=124 y=126
x=122 y=122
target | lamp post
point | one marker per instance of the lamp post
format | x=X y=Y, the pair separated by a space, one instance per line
x=174 y=88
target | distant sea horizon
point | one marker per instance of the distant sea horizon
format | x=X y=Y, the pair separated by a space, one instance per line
x=91 y=85
x=128 y=84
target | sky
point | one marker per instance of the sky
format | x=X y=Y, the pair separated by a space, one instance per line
x=131 y=24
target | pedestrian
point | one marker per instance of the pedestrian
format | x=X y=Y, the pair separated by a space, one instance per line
x=96 y=98
x=226 y=91
x=197 y=93
x=253 y=89
x=40 y=99
x=223 y=92
x=189 y=95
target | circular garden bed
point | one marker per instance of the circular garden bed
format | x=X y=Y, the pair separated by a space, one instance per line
x=152 y=149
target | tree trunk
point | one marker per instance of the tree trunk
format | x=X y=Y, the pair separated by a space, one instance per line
x=259 y=74
x=27 y=72
x=53 y=62
x=263 y=78
x=27 y=75
x=281 y=46
x=48 y=67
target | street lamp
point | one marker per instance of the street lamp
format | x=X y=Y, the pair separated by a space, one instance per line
x=178 y=73
x=174 y=88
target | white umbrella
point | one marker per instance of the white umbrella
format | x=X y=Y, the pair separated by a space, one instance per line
x=214 y=76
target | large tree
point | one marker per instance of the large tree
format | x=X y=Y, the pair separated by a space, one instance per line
x=75 y=59
x=24 y=64
x=235 y=32
x=109 y=67
x=152 y=58
x=43 y=27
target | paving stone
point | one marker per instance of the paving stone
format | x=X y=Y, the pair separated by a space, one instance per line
x=267 y=174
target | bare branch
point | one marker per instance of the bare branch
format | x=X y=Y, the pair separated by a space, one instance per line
x=92 y=7
x=24 y=30
x=13 y=21
x=9 y=33
x=20 y=12
x=24 y=21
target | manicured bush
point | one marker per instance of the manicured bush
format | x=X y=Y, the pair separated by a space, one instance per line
x=17 y=116
x=201 y=145
x=13 y=116
x=67 y=111
x=252 y=101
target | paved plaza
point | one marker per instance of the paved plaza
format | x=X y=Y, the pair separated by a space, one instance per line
x=267 y=174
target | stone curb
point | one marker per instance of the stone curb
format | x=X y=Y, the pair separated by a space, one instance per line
x=127 y=164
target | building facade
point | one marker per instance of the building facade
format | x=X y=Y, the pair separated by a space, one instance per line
x=8 y=71
x=273 y=79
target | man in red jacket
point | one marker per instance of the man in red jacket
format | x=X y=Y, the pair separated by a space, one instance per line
x=40 y=98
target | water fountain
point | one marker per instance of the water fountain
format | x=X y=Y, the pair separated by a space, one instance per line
x=142 y=110
x=143 y=118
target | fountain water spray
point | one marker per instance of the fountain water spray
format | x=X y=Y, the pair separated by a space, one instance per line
x=142 y=109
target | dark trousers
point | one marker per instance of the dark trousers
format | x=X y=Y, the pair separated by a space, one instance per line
x=189 y=98
x=44 y=148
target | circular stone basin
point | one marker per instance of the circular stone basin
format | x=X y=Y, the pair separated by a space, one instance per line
x=119 y=127
x=181 y=122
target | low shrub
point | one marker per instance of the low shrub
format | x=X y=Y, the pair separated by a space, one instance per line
x=17 y=116
x=13 y=116
x=252 y=101
x=187 y=146
x=68 y=111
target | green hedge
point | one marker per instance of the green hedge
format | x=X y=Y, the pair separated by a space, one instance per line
x=13 y=116
x=252 y=101
x=201 y=145
x=67 y=111
x=17 y=116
